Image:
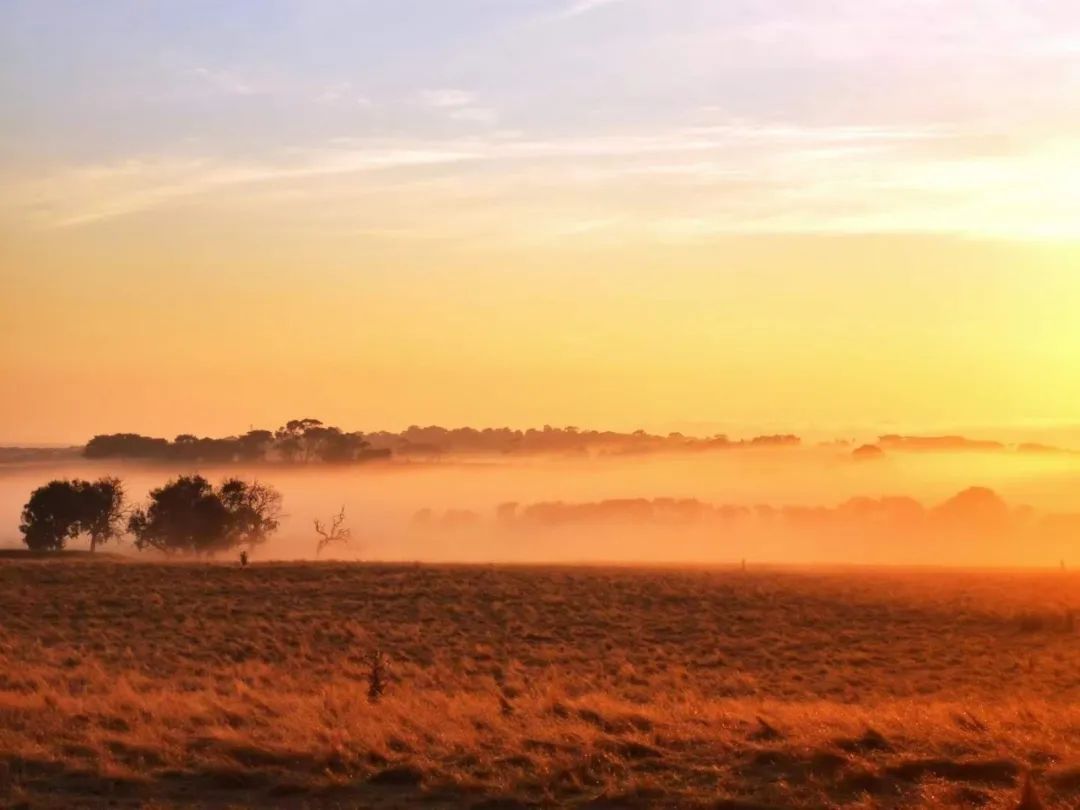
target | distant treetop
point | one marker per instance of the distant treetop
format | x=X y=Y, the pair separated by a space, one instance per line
x=299 y=441
x=305 y=441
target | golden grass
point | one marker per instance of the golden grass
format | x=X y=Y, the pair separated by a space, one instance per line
x=135 y=684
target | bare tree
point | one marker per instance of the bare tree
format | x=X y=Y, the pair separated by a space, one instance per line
x=336 y=533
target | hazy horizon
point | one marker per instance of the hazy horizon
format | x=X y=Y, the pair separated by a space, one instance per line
x=1065 y=435
x=461 y=497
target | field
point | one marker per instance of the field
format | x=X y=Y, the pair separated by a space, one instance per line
x=207 y=685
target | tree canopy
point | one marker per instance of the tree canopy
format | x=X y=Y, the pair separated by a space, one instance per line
x=189 y=515
x=62 y=510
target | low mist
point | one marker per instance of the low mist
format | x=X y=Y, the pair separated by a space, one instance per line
x=775 y=505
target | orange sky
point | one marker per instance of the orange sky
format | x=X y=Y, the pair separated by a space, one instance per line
x=792 y=220
x=737 y=333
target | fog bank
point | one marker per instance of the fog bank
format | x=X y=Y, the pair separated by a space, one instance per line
x=448 y=510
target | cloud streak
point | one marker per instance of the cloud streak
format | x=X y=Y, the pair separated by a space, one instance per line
x=686 y=183
x=704 y=116
x=580 y=7
x=447 y=98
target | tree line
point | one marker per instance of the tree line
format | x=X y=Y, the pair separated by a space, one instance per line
x=187 y=515
x=310 y=440
x=297 y=441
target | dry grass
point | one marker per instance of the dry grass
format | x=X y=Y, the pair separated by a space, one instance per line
x=134 y=684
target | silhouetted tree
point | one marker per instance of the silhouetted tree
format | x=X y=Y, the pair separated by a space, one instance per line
x=289 y=447
x=62 y=510
x=186 y=446
x=255 y=510
x=976 y=509
x=254 y=444
x=126 y=445
x=333 y=534
x=102 y=510
x=331 y=445
x=323 y=442
x=290 y=438
x=51 y=517
x=867 y=452
x=190 y=516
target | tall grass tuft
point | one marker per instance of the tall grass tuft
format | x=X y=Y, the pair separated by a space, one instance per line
x=377 y=676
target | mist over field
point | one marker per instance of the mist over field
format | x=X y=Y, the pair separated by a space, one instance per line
x=786 y=505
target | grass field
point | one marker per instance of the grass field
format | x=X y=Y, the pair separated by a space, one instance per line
x=190 y=685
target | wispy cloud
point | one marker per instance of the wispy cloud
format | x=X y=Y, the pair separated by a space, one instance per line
x=579 y=7
x=476 y=115
x=92 y=194
x=265 y=85
x=225 y=81
x=676 y=183
x=460 y=105
x=447 y=98
x=341 y=93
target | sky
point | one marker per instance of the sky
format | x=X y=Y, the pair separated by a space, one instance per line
x=815 y=215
